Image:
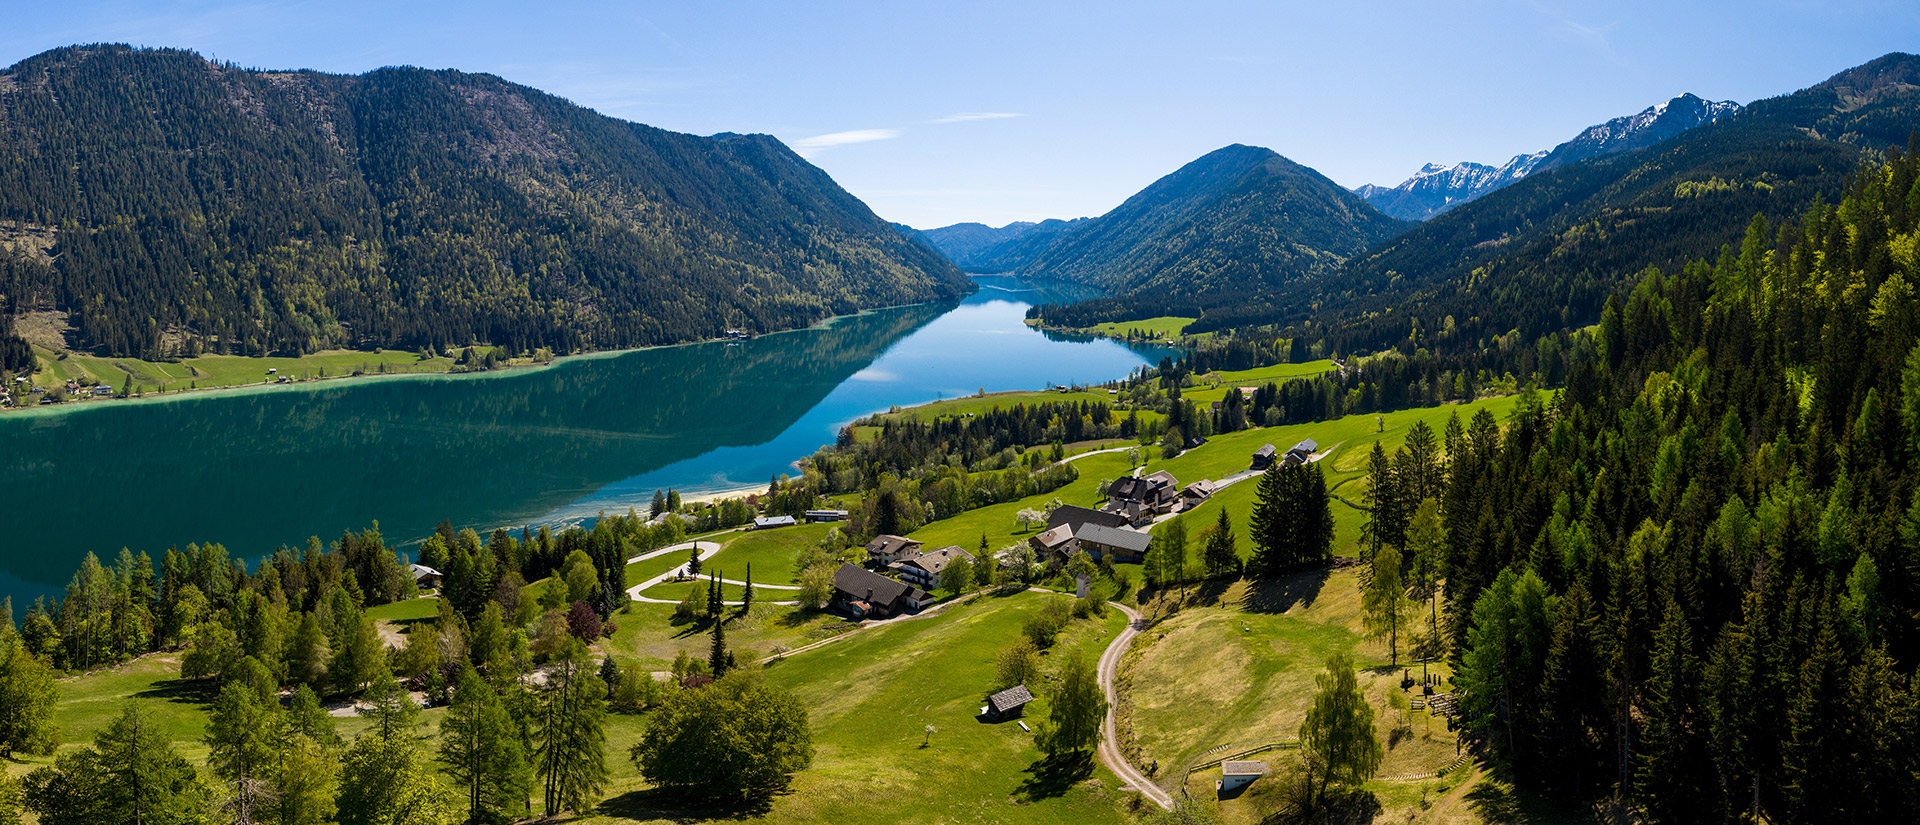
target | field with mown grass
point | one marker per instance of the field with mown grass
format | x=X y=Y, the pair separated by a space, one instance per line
x=1164 y=327
x=1350 y=438
x=1214 y=386
x=1236 y=665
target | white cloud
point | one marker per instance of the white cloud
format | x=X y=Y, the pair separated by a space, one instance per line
x=808 y=147
x=966 y=116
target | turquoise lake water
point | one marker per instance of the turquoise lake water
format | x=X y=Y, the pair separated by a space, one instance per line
x=258 y=469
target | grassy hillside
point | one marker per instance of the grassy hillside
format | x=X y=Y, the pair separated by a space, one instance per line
x=1349 y=438
x=871 y=697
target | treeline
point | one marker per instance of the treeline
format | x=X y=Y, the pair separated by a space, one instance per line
x=1690 y=580
x=273 y=643
x=920 y=471
x=199 y=207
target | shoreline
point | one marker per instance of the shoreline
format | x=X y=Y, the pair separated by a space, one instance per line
x=309 y=384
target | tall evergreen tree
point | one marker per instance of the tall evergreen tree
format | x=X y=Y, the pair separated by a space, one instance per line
x=1221 y=556
x=569 y=737
x=481 y=749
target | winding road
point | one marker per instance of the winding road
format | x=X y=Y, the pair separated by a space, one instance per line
x=1110 y=752
x=707 y=551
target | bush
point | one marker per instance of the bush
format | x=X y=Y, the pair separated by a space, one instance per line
x=1019 y=664
x=1046 y=623
x=734 y=737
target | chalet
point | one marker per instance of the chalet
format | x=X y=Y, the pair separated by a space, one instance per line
x=1119 y=543
x=1054 y=541
x=771 y=522
x=1238 y=774
x=1199 y=491
x=924 y=569
x=1075 y=516
x=817 y=516
x=1263 y=457
x=1008 y=703
x=424 y=577
x=1064 y=524
x=886 y=549
x=864 y=594
x=1302 y=452
x=1140 y=498
x=102 y=391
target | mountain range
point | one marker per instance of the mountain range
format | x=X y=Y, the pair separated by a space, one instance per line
x=1546 y=251
x=168 y=204
x=1436 y=188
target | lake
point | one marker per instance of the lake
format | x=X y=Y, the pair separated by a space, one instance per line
x=260 y=468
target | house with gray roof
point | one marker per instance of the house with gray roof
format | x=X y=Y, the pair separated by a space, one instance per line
x=1121 y=544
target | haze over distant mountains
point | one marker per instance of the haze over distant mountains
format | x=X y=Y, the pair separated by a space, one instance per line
x=1436 y=188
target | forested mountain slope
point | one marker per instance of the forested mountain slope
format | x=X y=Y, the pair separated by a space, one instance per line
x=977 y=247
x=1238 y=218
x=199 y=205
x=1545 y=252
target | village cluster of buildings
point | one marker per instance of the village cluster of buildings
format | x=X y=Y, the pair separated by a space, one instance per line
x=900 y=574
x=18 y=394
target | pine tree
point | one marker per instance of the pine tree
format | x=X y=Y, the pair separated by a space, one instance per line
x=746 y=591
x=394 y=713
x=693 y=560
x=1268 y=524
x=1221 y=556
x=717 y=656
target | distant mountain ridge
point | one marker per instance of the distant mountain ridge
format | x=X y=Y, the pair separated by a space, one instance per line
x=1546 y=251
x=1436 y=188
x=1234 y=218
x=976 y=247
x=202 y=206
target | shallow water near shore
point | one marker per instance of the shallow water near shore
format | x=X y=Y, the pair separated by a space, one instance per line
x=257 y=470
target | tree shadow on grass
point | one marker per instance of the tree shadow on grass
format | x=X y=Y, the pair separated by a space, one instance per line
x=659 y=805
x=183 y=691
x=406 y=625
x=1052 y=776
x=1280 y=595
x=1499 y=800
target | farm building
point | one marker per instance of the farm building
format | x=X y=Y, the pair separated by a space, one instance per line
x=1008 y=703
x=1239 y=774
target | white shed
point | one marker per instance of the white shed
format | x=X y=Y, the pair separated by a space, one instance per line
x=1239 y=774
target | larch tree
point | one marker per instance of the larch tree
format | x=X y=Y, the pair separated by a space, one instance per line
x=481 y=749
x=569 y=737
x=1384 y=598
x=240 y=744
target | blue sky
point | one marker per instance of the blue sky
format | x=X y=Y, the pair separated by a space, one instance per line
x=935 y=113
